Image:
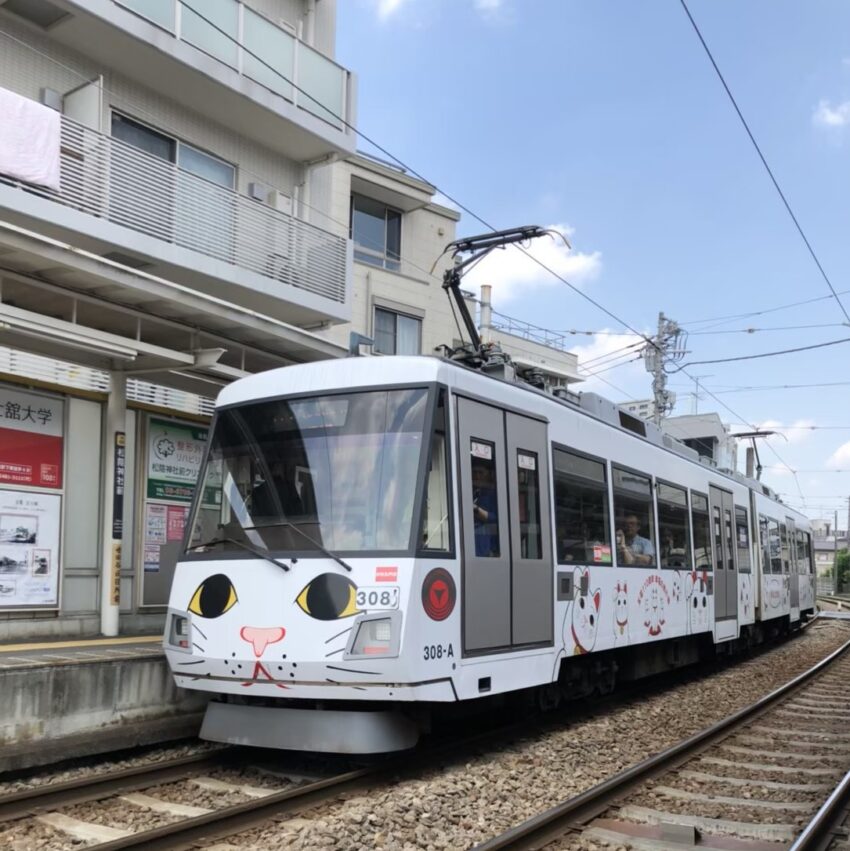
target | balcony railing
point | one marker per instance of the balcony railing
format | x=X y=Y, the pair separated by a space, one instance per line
x=533 y=333
x=114 y=181
x=237 y=36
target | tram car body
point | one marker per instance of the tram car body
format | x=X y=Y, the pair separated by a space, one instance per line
x=373 y=538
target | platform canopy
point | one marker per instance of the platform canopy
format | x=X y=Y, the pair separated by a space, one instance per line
x=63 y=302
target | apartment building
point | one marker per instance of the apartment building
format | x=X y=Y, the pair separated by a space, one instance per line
x=169 y=221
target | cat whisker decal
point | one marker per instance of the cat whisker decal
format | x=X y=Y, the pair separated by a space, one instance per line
x=354 y=671
x=332 y=682
x=202 y=649
x=198 y=629
x=334 y=652
x=344 y=632
x=196 y=662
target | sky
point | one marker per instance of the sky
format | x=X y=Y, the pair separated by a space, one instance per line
x=604 y=120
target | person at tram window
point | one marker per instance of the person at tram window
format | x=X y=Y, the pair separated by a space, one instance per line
x=633 y=548
x=485 y=512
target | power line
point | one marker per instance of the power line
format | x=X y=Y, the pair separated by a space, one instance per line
x=764 y=161
x=767 y=354
x=775 y=328
x=757 y=388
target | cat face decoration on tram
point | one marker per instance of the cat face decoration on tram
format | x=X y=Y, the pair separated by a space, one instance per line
x=621 y=613
x=696 y=587
x=243 y=624
x=582 y=616
x=746 y=595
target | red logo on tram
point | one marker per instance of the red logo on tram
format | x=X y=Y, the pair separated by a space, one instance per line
x=438 y=594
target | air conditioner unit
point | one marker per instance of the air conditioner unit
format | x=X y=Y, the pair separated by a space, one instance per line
x=280 y=201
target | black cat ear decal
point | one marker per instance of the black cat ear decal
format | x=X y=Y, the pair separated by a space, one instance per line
x=329 y=597
x=213 y=597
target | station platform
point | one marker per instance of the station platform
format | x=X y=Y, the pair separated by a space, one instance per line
x=73 y=698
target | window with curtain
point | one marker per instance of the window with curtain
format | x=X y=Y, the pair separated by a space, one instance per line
x=396 y=334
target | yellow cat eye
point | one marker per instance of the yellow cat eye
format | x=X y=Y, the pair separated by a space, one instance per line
x=328 y=597
x=213 y=597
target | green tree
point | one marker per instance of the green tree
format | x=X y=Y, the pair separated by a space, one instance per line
x=842 y=565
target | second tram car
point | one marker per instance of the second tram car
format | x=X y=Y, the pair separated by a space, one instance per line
x=374 y=537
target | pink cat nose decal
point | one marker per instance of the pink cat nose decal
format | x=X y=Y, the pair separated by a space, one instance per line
x=261 y=637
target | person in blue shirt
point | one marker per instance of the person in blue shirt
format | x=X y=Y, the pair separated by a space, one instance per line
x=485 y=514
x=633 y=548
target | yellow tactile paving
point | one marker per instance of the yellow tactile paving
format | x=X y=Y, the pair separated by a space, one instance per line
x=84 y=642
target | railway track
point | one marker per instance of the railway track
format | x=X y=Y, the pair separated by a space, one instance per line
x=752 y=782
x=160 y=790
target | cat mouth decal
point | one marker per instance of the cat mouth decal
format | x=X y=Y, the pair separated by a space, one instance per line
x=260 y=668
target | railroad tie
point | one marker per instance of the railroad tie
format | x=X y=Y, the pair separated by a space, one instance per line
x=85 y=831
x=213 y=784
x=157 y=805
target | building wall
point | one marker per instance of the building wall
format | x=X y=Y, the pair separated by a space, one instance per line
x=31 y=62
x=413 y=290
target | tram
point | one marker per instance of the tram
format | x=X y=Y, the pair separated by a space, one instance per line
x=374 y=538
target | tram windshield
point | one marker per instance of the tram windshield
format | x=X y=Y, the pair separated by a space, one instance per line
x=336 y=472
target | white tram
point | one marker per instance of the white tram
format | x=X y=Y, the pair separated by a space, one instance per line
x=375 y=537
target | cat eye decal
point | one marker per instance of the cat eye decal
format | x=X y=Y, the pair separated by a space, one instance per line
x=214 y=596
x=329 y=597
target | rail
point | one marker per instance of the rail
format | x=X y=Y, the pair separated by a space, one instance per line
x=119 y=183
x=560 y=819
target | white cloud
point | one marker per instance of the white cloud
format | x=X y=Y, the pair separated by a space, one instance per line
x=487 y=5
x=827 y=115
x=387 y=8
x=796 y=433
x=513 y=272
x=840 y=459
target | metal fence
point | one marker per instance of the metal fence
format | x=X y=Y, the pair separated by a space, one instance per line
x=117 y=182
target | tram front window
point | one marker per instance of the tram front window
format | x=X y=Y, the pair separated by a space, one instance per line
x=336 y=471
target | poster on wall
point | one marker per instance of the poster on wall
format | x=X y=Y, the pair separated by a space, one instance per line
x=29 y=548
x=175 y=452
x=31 y=432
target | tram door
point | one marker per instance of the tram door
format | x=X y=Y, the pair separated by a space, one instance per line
x=794 y=579
x=725 y=571
x=507 y=546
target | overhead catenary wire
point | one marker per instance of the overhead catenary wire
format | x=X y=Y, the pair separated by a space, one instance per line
x=764 y=354
x=764 y=161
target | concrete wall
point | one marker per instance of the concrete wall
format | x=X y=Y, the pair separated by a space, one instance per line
x=50 y=712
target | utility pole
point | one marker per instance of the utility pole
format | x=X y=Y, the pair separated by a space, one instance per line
x=835 y=557
x=667 y=345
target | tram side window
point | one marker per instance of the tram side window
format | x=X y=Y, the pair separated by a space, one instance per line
x=742 y=539
x=673 y=526
x=774 y=546
x=803 y=566
x=702 y=531
x=633 y=518
x=582 y=529
x=528 y=486
x=809 y=557
x=485 y=503
x=783 y=535
x=436 y=531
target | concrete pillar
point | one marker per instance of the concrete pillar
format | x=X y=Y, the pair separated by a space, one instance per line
x=486 y=313
x=112 y=513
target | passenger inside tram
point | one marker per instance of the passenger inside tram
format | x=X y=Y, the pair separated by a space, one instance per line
x=485 y=509
x=632 y=547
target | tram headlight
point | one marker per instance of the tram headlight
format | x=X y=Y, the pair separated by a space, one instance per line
x=376 y=635
x=179 y=630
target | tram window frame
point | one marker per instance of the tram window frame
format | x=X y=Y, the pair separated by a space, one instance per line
x=701 y=511
x=628 y=503
x=785 y=550
x=528 y=504
x=774 y=531
x=488 y=528
x=745 y=558
x=666 y=507
x=809 y=553
x=439 y=433
x=581 y=486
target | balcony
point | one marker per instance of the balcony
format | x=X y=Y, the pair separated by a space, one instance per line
x=127 y=205
x=224 y=61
